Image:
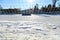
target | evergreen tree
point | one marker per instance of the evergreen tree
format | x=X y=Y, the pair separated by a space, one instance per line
x=36 y=8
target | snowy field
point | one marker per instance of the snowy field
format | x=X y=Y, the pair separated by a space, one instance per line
x=34 y=27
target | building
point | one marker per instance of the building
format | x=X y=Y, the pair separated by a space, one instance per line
x=10 y=11
x=27 y=12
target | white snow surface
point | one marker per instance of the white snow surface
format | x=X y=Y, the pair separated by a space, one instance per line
x=35 y=27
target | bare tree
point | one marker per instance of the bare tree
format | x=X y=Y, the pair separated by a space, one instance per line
x=0 y=7
x=54 y=2
x=59 y=4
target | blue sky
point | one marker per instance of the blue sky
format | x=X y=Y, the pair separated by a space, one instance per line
x=24 y=4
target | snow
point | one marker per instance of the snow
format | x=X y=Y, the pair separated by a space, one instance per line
x=35 y=27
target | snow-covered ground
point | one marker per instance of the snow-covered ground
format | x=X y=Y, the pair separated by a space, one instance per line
x=35 y=27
